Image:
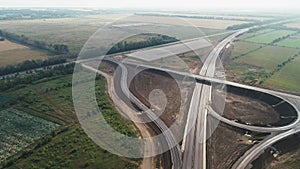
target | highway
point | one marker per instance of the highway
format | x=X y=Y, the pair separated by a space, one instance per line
x=194 y=141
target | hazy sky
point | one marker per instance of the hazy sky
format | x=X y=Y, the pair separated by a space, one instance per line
x=170 y=4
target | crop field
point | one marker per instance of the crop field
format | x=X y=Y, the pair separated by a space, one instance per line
x=287 y=78
x=51 y=99
x=242 y=48
x=295 y=24
x=256 y=60
x=267 y=57
x=269 y=37
x=73 y=149
x=291 y=42
x=215 y=15
x=19 y=130
x=205 y=23
x=74 y=32
x=13 y=53
x=256 y=33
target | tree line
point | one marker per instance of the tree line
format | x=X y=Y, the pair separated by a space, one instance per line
x=154 y=40
x=251 y=24
x=31 y=76
x=31 y=64
x=280 y=39
x=56 y=48
x=198 y=17
x=279 y=67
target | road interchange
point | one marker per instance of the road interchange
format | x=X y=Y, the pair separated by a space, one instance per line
x=194 y=142
x=200 y=144
x=200 y=109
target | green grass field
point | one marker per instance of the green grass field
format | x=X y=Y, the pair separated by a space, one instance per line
x=287 y=78
x=70 y=31
x=242 y=48
x=51 y=99
x=267 y=57
x=269 y=37
x=256 y=33
x=254 y=61
x=196 y=22
x=291 y=42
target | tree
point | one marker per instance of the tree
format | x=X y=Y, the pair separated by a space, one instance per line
x=62 y=49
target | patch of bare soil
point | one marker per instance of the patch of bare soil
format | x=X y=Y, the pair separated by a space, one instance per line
x=225 y=146
x=161 y=92
x=249 y=110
